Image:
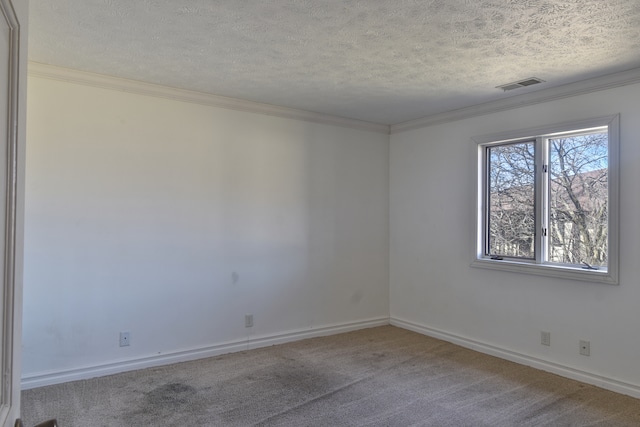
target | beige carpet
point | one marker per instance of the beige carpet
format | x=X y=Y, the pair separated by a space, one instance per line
x=375 y=377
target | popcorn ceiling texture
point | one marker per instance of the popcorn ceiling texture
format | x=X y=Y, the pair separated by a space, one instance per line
x=384 y=61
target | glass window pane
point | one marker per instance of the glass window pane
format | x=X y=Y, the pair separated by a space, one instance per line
x=578 y=195
x=511 y=200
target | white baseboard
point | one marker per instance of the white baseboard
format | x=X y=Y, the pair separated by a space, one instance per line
x=523 y=359
x=58 y=377
x=49 y=378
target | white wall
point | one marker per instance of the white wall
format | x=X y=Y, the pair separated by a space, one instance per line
x=172 y=220
x=434 y=289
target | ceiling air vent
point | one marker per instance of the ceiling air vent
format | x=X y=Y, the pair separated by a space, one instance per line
x=521 y=83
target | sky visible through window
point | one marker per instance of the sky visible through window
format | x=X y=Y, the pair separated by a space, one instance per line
x=577 y=197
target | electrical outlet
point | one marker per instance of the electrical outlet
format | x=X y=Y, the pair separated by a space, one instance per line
x=248 y=320
x=585 y=348
x=125 y=339
x=545 y=338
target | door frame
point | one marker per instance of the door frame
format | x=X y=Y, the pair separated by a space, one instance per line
x=11 y=318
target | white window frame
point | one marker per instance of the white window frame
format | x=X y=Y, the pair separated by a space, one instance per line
x=608 y=275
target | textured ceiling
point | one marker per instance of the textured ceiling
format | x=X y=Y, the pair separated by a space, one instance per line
x=383 y=61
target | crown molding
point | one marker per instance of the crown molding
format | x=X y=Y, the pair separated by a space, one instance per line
x=531 y=98
x=609 y=81
x=37 y=69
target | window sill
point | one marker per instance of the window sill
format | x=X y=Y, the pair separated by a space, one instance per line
x=598 y=276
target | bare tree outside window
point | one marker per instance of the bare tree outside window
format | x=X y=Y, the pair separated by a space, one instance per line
x=577 y=199
x=512 y=200
x=578 y=212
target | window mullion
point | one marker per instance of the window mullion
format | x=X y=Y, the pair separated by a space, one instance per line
x=541 y=200
x=486 y=160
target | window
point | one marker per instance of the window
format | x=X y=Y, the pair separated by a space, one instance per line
x=548 y=200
